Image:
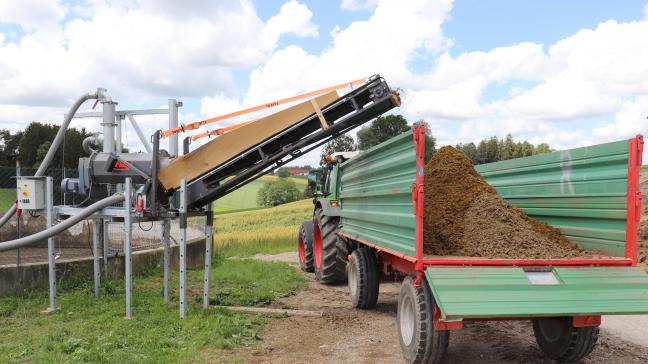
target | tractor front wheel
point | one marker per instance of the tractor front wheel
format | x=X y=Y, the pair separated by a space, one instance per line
x=325 y=237
x=305 y=246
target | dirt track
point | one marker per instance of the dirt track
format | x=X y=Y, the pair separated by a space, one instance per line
x=346 y=335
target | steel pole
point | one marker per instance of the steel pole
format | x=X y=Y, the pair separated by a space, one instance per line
x=108 y=125
x=166 y=231
x=183 y=246
x=96 y=231
x=106 y=246
x=118 y=134
x=209 y=241
x=173 y=123
x=127 y=246
x=49 y=203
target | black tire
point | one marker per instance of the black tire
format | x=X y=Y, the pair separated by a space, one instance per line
x=420 y=342
x=327 y=270
x=305 y=246
x=563 y=342
x=363 y=278
x=342 y=257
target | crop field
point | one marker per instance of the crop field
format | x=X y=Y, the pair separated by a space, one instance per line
x=245 y=197
x=270 y=230
x=86 y=329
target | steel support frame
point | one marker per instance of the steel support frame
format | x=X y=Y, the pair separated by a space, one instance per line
x=96 y=233
x=166 y=260
x=128 y=234
x=51 y=263
x=209 y=241
x=183 y=247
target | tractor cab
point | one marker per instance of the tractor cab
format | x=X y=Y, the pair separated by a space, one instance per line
x=323 y=181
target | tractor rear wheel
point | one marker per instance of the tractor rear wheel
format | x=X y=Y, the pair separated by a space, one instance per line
x=363 y=278
x=563 y=342
x=325 y=239
x=420 y=342
x=305 y=246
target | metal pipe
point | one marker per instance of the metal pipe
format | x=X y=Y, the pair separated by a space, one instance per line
x=59 y=228
x=139 y=133
x=109 y=125
x=96 y=139
x=58 y=139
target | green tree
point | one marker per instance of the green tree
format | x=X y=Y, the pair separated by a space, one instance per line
x=381 y=129
x=470 y=149
x=277 y=192
x=342 y=143
x=283 y=172
x=34 y=141
x=430 y=141
x=542 y=148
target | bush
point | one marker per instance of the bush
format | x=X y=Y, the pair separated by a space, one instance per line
x=277 y=192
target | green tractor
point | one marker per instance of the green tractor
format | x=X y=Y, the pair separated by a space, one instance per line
x=321 y=250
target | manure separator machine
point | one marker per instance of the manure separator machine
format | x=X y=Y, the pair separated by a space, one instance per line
x=160 y=185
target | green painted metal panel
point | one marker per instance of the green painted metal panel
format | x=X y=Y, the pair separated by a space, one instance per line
x=483 y=292
x=375 y=195
x=581 y=191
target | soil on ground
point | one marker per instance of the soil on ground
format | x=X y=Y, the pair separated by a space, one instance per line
x=347 y=335
x=465 y=216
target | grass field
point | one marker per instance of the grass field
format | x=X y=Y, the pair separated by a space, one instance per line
x=7 y=198
x=270 y=230
x=245 y=197
x=86 y=329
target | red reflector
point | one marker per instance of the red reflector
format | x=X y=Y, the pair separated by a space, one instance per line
x=120 y=166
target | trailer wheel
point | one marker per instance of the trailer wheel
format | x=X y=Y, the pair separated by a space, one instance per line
x=561 y=341
x=363 y=278
x=305 y=246
x=325 y=239
x=420 y=342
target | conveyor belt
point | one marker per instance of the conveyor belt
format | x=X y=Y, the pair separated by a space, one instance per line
x=349 y=111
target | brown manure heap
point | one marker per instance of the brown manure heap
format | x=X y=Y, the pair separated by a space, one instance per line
x=464 y=216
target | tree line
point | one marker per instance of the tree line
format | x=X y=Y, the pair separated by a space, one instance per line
x=30 y=146
x=385 y=127
x=494 y=150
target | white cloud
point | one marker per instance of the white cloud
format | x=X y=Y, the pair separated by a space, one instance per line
x=294 y=18
x=354 y=5
x=143 y=49
x=631 y=119
x=31 y=14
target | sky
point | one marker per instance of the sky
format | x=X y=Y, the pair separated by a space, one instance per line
x=567 y=73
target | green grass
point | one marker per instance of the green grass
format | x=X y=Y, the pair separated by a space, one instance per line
x=7 y=198
x=86 y=329
x=245 y=197
x=269 y=231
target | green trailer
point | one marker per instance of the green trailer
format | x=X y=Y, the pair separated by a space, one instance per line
x=368 y=225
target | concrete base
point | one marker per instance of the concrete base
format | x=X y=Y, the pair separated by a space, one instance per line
x=34 y=275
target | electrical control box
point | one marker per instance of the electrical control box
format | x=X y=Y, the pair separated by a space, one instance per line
x=31 y=193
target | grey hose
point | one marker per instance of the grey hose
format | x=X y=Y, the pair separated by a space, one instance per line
x=59 y=228
x=87 y=142
x=57 y=142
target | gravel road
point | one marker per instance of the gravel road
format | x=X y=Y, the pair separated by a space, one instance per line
x=346 y=335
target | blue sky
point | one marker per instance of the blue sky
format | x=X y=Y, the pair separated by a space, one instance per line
x=568 y=73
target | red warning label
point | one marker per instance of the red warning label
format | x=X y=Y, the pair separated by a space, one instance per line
x=120 y=166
